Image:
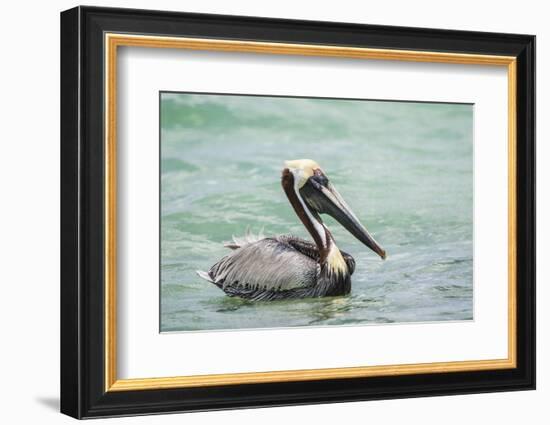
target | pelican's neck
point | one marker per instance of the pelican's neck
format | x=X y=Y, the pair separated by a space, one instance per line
x=328 y=251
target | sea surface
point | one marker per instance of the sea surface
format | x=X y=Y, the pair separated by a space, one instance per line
x=404 y=168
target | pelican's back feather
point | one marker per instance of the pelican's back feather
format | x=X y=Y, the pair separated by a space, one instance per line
x=248 y=238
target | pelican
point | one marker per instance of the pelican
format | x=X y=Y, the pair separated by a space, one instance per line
x=283 y=267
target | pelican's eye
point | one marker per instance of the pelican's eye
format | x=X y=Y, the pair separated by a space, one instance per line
x=320 y=178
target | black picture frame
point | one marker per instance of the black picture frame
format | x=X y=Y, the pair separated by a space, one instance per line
x=83 y=392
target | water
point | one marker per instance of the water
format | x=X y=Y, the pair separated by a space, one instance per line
x=404 y=168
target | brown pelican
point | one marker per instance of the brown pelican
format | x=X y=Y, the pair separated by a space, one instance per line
x=283 y=267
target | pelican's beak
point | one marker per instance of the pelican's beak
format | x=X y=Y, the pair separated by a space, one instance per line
x=323 y=198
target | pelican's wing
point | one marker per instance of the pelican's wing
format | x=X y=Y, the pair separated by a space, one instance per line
x=305 y=247
x=269 y=264
x=310 y=249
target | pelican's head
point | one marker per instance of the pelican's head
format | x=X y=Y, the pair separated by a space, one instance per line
x=320 y=197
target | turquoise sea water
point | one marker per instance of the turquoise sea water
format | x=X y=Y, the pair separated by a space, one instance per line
x=404 y=168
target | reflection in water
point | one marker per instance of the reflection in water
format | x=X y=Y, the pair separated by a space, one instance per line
x=405 y=168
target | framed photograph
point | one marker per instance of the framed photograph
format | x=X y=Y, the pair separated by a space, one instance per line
x=261 y=212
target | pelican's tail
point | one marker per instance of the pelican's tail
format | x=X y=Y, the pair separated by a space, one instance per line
x=205 y=276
